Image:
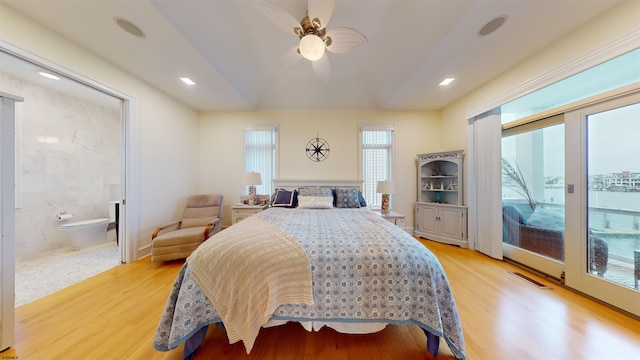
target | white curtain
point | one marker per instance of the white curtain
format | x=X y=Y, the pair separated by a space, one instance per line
x=485 y=200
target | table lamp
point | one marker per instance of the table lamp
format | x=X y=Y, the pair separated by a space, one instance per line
x=385 y=188
x=252 y=179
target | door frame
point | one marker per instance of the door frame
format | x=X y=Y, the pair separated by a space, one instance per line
x=7 y=219
x=129 y=175
x=576 y=211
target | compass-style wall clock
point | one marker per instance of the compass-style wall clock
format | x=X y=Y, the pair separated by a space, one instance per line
x=317 y=149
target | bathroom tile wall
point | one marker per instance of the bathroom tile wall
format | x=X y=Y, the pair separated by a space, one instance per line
x=68 y=159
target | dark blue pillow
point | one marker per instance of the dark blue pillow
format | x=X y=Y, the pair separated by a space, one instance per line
x=363 y=203
x=284 y=198
x=347 y=198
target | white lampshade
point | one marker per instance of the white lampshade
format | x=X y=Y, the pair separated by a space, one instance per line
x=385 y=187
x=311 y=47
x=252 y=178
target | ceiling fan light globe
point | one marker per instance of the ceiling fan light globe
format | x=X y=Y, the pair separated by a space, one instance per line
x=311 y=47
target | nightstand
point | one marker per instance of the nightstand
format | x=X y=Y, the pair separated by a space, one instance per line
x=242 y=211
x=393 y=217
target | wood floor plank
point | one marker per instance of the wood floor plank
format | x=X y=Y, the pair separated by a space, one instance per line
x=114 y=315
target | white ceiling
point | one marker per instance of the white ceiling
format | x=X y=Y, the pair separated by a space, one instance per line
x=233 y=53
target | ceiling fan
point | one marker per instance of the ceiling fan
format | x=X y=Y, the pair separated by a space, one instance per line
x=313 y=34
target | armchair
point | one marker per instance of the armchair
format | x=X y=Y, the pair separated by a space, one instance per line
x=201 y=219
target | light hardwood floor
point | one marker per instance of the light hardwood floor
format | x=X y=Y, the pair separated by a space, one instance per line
x=114 y=316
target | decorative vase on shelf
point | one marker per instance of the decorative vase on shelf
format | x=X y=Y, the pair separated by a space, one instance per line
x=438 y=198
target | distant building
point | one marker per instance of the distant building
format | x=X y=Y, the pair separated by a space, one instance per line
x=623 y=181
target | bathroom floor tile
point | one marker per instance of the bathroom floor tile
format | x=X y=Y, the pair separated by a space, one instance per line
x=51 y=271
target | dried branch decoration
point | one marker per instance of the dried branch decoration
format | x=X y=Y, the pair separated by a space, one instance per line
x=516 y=181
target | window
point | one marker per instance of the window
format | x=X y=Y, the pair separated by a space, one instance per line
x=261 y=154
x=376 y=142
x=533 y=168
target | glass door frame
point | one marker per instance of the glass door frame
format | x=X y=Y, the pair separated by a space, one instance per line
x=576 y=221
x=532 y=149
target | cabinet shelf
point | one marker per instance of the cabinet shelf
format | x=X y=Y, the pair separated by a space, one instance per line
x=440 y=177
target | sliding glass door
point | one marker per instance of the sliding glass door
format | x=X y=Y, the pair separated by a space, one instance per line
x=533 y=195
x=603 y=201
x=571 y=181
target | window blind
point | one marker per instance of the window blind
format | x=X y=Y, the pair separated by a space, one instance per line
x=260 y=155
x=376 y=159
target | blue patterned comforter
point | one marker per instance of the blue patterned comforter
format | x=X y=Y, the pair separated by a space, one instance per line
x=363 y=269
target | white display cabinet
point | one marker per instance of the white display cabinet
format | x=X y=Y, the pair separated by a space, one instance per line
x=439 y=213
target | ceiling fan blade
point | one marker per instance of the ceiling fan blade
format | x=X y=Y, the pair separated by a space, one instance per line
x=322 y=67
x=277 y=16
x=344 y=39
x=290 y=57
x=321 y=10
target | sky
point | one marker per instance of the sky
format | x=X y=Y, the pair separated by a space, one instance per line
x=613 y=143
x=613 y=136
x=614 y=140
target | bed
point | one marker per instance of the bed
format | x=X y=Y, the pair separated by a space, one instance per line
x=341 y=266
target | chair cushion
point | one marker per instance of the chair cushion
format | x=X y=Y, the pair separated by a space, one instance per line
x=201 y=210
x=547 y=218
x=205 y=200
x=513 y=213
x=180 y=236
x=196 y=222
x=167 y=253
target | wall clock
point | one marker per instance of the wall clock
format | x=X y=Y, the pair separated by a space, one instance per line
x=317 y=149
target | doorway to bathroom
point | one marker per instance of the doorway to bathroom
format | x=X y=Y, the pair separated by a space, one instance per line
x=69 y=161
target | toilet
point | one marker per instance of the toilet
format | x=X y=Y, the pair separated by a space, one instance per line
x=87 y=233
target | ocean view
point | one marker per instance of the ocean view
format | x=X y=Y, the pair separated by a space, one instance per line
x=614 y=216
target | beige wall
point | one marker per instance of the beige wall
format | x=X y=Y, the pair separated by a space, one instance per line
x=618 y=22
x=167 y=152
x=172 y=164
x=221 y=148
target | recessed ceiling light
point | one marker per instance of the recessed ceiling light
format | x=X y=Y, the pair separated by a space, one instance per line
x=492 y=25
x=129 y=27
x=446 y=81
x=187 y=81
x=48 y=75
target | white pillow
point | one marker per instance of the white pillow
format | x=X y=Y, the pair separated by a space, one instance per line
x=315 y=202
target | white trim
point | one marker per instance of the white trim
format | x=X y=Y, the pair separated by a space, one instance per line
x=7 y=220
x=576 y=223
x=597 y=56
x=18 y=155
x=377 y=127
x=260 y=127
x=294 y=184
x=129 y=205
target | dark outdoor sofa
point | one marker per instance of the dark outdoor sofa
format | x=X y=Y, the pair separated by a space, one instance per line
x=548 y=242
